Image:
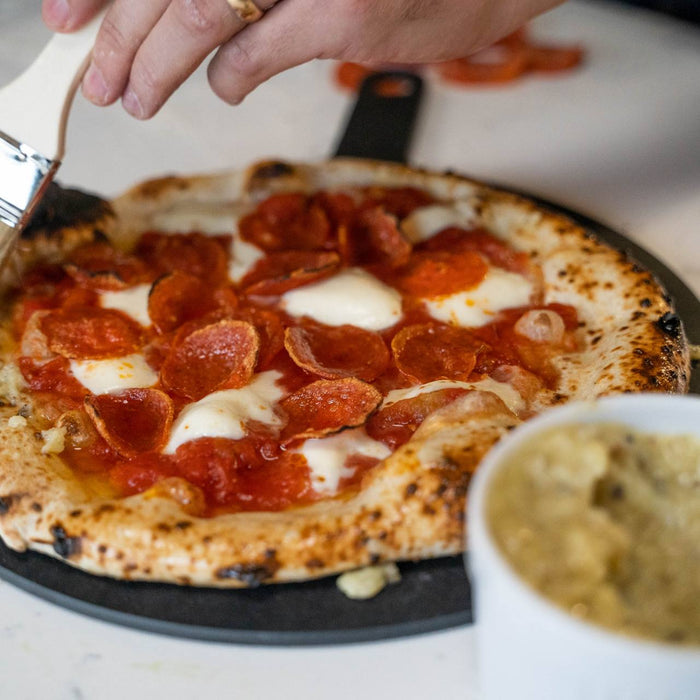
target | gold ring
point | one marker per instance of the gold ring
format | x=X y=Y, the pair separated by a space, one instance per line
x=246 y=10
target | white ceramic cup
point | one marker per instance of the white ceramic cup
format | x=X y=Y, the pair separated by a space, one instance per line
x=530 y=649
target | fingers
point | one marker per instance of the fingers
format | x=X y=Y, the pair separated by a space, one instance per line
x=195 y=27
x=286 y=37
x=68 y=15
x=124 y=28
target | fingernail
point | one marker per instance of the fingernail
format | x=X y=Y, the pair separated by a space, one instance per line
x=57 y=14
x=94 y=85
x=132 y=104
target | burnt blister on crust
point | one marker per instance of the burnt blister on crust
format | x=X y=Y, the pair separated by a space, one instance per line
x=63 y=544
x=62 y=207
x=6 y=504
x=671 y=325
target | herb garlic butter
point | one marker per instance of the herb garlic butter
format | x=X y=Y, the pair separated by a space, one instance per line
x=605 y=522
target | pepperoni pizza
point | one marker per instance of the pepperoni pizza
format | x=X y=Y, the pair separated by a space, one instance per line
x=293 y=371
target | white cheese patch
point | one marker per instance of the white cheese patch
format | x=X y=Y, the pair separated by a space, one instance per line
x=499 y=290
x=327 y=456
x=510 y=396
x=132 y=301
x=224 y=413
x=353 y=297
x=425 y=222
x=243 y=257
x=114 y=374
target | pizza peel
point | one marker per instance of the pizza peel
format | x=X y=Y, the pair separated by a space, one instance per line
x=432 y=595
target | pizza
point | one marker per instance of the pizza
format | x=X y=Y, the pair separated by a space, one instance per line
x=293 y=371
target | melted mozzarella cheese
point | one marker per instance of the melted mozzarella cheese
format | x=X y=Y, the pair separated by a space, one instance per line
x=499 y=290
x=327 y=456
x=243 y=256
x=424 y=222
x=353 y=297
x=114 y=374
x=132 y=301
x=224 y=413
x=510 y=397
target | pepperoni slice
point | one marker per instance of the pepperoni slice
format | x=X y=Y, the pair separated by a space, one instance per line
x=496 y=251
x=178 y=297
x=220 y=355
x=90 y=332
x=132 y=421
x=497 y=64
x=437 y=273
x=270 y=329
x=351 y=75
x=101 y=266
x=375 y=238
x=550 y=59
x=53 y=376
x=399 y=201
x=426 y=352
x=281 y=271
x=338 y=351
x=395 y=424
x=288 y=221
x=198 y=255
x=328 y=406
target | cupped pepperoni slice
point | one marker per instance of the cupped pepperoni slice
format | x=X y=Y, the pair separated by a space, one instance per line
x=202 y=256
x=270 y=329
x=426 y=352
x=287 y=221
x=101 y=266
x=178 y=297
x=350 y=75
x=90 y=332
x=389 y=245
x=132 y=421
x=551 y=59
x=279 y=272
x=430 y=274
x=337 y=351
x=496 y=251
x=327 y=406
x=500 y=63
x=374 y=238
x=399 y=201
x=219 y=356
x=395 y=424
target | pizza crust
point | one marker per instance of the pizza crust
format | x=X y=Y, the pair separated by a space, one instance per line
x=411 y=506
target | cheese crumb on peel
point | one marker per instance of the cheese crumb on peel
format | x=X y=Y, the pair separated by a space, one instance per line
x=367 y=582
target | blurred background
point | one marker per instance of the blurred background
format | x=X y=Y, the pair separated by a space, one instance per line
x=684 y=9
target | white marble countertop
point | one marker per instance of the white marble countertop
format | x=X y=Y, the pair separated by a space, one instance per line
x=618 y=140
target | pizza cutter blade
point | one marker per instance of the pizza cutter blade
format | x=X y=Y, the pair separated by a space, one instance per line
x=34 y=111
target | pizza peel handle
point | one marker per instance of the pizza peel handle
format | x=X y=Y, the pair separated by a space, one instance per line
x=382 y=121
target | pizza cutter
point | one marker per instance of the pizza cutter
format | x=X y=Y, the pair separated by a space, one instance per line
x=34 y=112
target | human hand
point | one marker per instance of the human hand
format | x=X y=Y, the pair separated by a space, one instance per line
x=146 y=49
